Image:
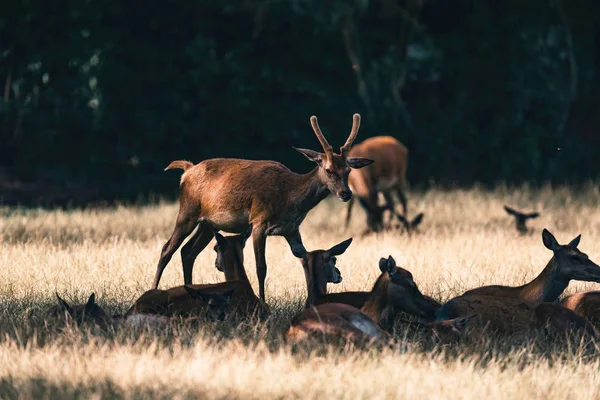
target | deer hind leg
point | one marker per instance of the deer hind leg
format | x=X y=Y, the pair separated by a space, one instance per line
x=192 y=248
x=186 y=222
x=259 y=241
x=402 y=196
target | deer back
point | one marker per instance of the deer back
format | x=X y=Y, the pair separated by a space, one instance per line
x=584 y=304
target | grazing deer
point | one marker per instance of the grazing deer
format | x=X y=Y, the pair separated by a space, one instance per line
x=386 y=175
x=504 y=315
x=182 y=301
x=89 y=312
x=231 y=194
x=584 y=304
x=394 y=290
x=567 y=263
x=521 y=218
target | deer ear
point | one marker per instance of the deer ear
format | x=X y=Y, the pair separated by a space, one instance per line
x=417 y=220
x=340 y=248
x=387 y=265
x=575 y=242
x=220 y=238
x=63 y=304
x=460 y=323
x=91 y=301
x=312 y=155
x=357 y=162
x=298 y=250
x=550 y=241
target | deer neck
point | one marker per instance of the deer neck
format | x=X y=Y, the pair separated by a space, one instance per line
x=547 y=286
x=306 y=191
x=315 y=291
x=235 y=268
x=376 y=305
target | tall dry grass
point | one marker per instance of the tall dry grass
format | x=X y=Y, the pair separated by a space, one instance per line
x=467 y=240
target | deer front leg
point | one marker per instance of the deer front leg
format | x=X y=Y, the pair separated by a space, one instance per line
x=295 y=241
x=259 y=240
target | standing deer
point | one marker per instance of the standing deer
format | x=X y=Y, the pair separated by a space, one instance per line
x=386 y=175
x=521 y=218
x=231 y=194
x=567 y=263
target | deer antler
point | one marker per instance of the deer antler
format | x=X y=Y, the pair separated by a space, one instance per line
x=355 y=125
x=315 y=125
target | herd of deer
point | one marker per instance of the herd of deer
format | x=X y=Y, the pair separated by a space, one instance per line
x=263 y=198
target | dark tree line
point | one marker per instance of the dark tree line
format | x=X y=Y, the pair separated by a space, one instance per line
x=99 y=96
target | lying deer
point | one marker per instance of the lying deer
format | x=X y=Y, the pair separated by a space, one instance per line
x=503 y=315
x=566 y=264
x=386 y=175
x=412 y=225
x=192 y=299
x=521 y=218
x=231 y=194
x=394 y=290
x=90 y=312
x=584 y=304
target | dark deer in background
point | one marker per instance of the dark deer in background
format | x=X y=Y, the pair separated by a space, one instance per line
x=231 y=194
x=412 y=225
x=521 y=218
x=387 y=175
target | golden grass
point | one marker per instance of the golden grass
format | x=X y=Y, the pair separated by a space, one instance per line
x=467 y=240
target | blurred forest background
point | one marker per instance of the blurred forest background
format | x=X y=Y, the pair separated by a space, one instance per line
x=97 y=97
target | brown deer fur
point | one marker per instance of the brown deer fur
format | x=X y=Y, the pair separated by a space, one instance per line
x=180 y=301
x=567 y=263
x=584 y=304
x=231 y=194
x=503 y=315
x=90 y=312
x=387 y=175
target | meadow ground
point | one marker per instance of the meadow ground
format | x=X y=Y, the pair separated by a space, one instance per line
x=467 y=240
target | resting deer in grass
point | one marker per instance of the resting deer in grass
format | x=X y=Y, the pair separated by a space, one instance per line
x=231 y=194
x=236 y=293
x=412 y=225
x=502 y=315
x=394 y=290
x=567 y=263
x=521 y=218
x=386 y=175
x=90 y=312
x=584 y=304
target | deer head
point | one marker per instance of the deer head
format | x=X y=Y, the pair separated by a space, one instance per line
x=230 y=246
x=521 y=218
x=89 y=312
x=334 y=168
x=218 y=303
x=569 y=262
x=410 y=226
x=402 y=291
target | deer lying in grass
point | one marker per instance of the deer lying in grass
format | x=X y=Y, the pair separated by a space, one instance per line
x=521 y=218
x=192 y=300
x=90 y=312
x=386 y=175
x=412 y=225
x=567 y=263
x=231 y=194
x=502 y=315
x=584 y=304
x=394 y=290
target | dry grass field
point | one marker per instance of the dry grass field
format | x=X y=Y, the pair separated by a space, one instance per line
x=466 y=240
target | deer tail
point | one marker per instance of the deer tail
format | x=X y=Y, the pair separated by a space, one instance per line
x=181 y=164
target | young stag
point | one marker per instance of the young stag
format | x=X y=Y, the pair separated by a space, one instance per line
x=521 y=218
x=89 y=312
x=394 y=290
x=503 y=315
x=386 y=175
x=231 y=194
x=567 y=263
x=584 y=304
